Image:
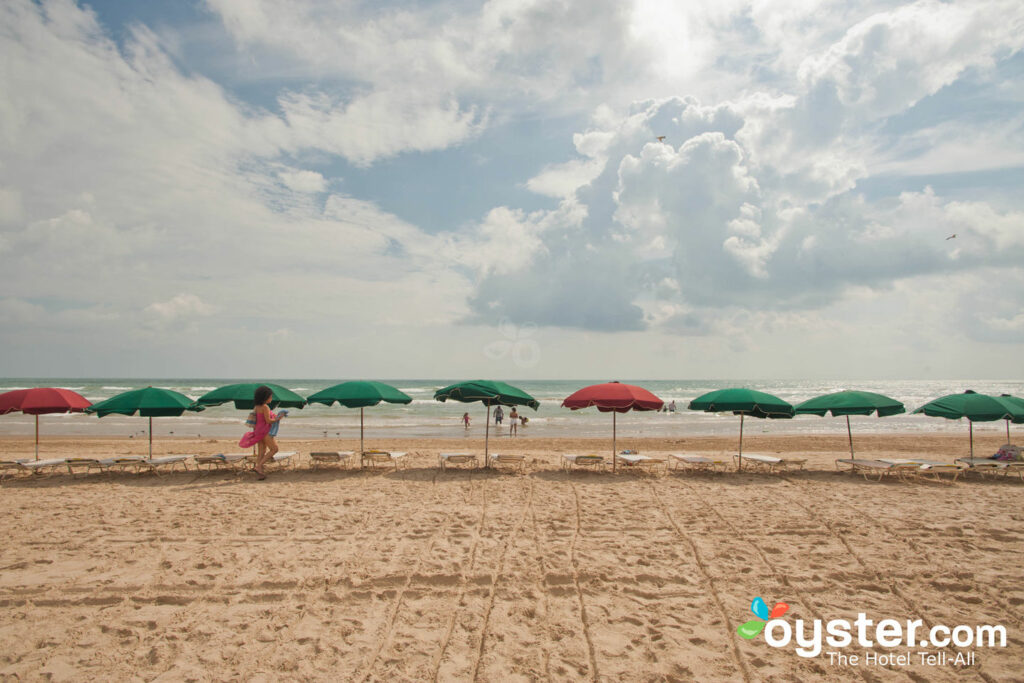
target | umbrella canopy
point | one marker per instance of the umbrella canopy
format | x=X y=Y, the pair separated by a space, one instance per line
x=149 y=402
x=41 y=401
x=742 y=402
x=490 y=393
x=975 y=407
x=847 y=403
x=241 y=395
x=613 y=397
x=359 y=394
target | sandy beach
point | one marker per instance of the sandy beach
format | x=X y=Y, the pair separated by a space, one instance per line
x=418 y=575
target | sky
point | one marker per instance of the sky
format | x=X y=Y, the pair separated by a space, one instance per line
x=512 y=189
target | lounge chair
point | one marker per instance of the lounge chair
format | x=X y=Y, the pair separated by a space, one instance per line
x=330 y=458
x=89 y=464
x=984 y=466
x=371 y=458
x=168 y=461
x=12 y=468
x=701 y=463
x=770 y=462
x=878 y=468
x=444 y=460
x=221 y=461
x=41 y=466
x=517 y=462
x=570 y=460
x=635 y=461
x=936 y=469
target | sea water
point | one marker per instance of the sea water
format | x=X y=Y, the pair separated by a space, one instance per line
x=425 y=417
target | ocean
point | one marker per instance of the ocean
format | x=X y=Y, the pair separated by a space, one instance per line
x=425 y=417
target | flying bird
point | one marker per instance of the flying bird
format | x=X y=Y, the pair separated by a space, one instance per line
x=661 y=138
x=951 y=237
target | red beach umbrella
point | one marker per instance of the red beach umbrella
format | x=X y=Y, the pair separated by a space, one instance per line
x=40 y=401
x=613 y=397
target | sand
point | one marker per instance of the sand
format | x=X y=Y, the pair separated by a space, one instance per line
x=471 y=575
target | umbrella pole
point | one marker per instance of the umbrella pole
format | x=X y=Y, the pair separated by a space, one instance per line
x=487 y=436
x=1007 y=438
x=361 y=448
x=151 y=438
x=971 y=423
x=37 y=435
x=614 y=450
x=849 y=435
x=740 y=466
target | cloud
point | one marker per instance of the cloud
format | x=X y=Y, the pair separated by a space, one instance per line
x=178 y=307
x=303 y=181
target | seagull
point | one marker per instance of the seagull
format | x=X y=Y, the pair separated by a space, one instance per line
x=661 y=138
x=951 y=237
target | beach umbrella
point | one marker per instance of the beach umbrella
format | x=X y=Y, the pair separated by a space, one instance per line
x=42 y=401
x=847 y=403
x=613 y=397
x=742 y=402
x=359 y=394
x=241 y=395
x=149 y=402
x=976 y=408
x=490 y=393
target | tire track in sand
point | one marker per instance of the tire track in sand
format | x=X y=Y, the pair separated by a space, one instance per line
x=706 y=575
x=527 y=506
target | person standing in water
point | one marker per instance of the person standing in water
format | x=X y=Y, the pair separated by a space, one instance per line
x=513 y=422
x=261 y=432
x=465 y=419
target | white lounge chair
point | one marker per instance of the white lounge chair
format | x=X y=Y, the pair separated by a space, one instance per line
x=12 y=468
x=330 y=458
x=635 y=461
x=371 y=458
x=701 y=463
x=41 y=466
x=571 y=460
x=878 y=468
x=445 y=460
x=167 y=461
x=221 y=461
x=517 y=462
x=984 y=466
x=769 y=462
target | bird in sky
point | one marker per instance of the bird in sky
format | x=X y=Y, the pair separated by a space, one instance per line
x=661 y=138
x=951 y=237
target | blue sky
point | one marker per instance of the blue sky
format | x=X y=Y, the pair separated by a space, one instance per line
x=254 y=188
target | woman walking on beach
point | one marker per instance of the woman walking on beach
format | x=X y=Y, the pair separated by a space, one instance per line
x=513 y=422
x=261 y=433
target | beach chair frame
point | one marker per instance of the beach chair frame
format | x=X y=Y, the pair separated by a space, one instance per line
x=879 y=469
x=515 y=462
x=446 y=460
x=571 y=460
x=769 y=463
x=699 y=463
x=322 y=458
x=634 y=462
x=369 y=459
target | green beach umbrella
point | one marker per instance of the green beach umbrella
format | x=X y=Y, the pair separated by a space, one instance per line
x=149 y=402
x=241 y=395
x=847 y=403
x=976 y=408
x=489 y=393
x=742 y=402
x=359 y=394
